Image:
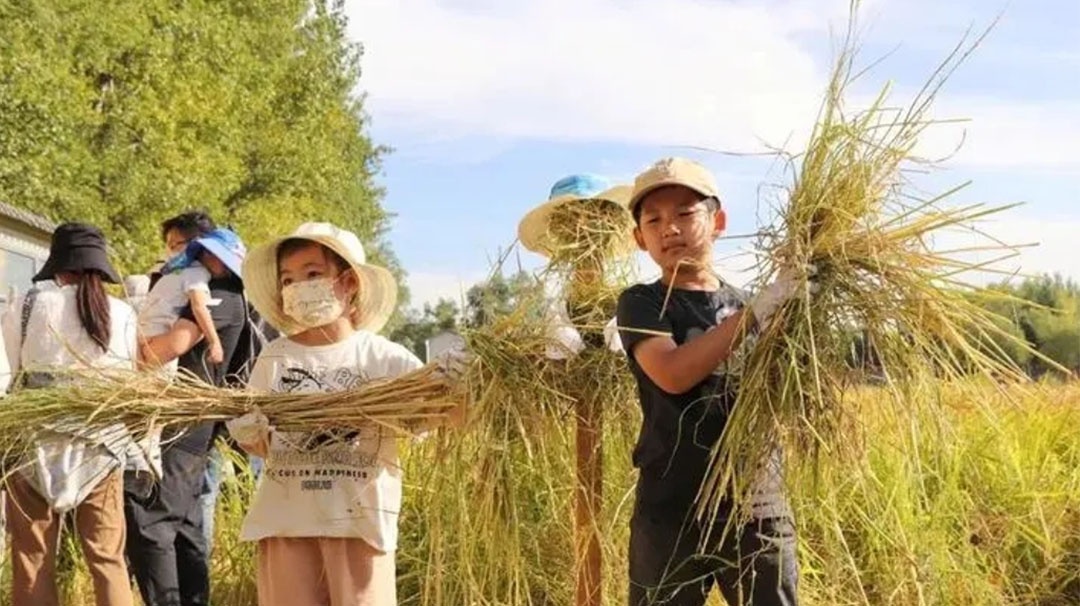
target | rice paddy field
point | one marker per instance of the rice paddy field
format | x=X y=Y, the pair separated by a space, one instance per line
x=937 y=475
x=986 y=514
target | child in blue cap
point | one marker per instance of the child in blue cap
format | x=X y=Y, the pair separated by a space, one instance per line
x=185 y=282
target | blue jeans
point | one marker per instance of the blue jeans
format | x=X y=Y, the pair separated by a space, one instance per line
x=256 y=466
x=208 y=498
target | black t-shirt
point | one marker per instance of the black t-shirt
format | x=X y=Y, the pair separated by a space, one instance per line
x=679 y=430
x=230 y=318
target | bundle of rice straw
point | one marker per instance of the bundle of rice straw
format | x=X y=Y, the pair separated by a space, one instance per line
x=877 y=273
x=144 y=401
x=590 y=256
x=496 y=513
x=492 y=503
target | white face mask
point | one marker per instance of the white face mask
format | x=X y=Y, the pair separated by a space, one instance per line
x=312 y=303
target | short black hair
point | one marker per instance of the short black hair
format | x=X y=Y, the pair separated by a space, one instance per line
x=711 y=201
x=191 y=224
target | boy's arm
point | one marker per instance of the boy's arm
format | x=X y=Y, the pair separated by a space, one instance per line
x=647 y=336
x=678 y=368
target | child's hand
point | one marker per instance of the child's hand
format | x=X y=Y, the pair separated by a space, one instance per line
x=611 y=336
x=252 y=432
x=215 y=354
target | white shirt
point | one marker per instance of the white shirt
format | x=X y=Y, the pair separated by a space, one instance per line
x=68 y=461
x=161 y=307
x=56 y=339
x=345 y=490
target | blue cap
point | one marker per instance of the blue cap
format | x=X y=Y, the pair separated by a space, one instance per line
x=583 y=185
x=223 y=244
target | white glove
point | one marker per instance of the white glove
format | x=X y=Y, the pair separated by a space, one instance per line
x=611 y=336
x=564 y=342
x=249 y=430
x=775 y=294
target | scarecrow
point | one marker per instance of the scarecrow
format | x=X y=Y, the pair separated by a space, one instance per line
x=585 y=230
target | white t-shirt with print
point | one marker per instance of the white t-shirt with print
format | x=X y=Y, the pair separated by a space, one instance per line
x=170 y=294
x=345 y=489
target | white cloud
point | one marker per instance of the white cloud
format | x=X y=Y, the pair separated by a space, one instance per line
x=1043 y=246
x=721 y=74
x=681 y=72
x=1008 y=135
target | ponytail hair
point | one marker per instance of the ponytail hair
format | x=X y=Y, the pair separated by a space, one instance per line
x=93 y=306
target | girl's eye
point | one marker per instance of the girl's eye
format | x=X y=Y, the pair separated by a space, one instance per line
x=286 y=281
x=314 y=274
x=652 y=221
x=686 y=213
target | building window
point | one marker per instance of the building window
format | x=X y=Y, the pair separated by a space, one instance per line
x=15 y=271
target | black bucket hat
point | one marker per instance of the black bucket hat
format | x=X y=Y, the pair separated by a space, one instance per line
x=77 y=247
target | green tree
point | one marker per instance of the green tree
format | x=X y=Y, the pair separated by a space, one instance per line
x=417 y=327
x=1044 y=311
x=126 y=114
x=500 y=295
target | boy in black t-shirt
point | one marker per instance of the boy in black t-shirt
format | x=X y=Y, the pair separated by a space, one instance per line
x=686 y=394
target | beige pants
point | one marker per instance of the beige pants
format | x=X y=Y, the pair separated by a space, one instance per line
x=35 y=533
x=324 y=572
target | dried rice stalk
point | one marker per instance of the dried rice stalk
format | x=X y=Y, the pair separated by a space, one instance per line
x=141 y=401
x=592 y=241
x=878 y=275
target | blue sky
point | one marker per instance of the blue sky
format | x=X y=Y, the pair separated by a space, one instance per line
x=488 y=102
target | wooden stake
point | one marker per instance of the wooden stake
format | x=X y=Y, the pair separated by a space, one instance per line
x=590 y=473
x=590 y=461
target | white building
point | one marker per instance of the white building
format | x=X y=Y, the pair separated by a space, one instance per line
x=24 y=247
x=443 y=342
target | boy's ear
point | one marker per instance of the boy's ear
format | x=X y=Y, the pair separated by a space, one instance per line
x=638 y=238
x=719 y=222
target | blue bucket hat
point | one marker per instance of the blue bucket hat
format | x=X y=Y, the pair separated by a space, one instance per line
x=533 y=229
x=222 y=243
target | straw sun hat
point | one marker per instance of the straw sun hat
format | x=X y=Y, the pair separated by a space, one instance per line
x=376 y=298
x=533 y=229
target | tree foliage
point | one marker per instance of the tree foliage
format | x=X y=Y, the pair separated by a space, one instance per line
x=127 y=114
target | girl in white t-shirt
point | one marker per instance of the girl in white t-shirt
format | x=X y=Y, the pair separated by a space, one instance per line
x=325 y=512
x=67 y=322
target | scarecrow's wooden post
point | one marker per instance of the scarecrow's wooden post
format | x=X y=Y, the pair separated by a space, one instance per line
x=581 y=236
x=590 y=461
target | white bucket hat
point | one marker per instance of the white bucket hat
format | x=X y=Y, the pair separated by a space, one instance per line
x=376 y=298
x=533 y=229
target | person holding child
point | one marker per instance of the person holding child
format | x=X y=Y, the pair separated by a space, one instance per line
x=168 y=542
x=686 y=391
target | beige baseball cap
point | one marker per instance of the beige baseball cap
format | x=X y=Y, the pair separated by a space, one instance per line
x=674 y=171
